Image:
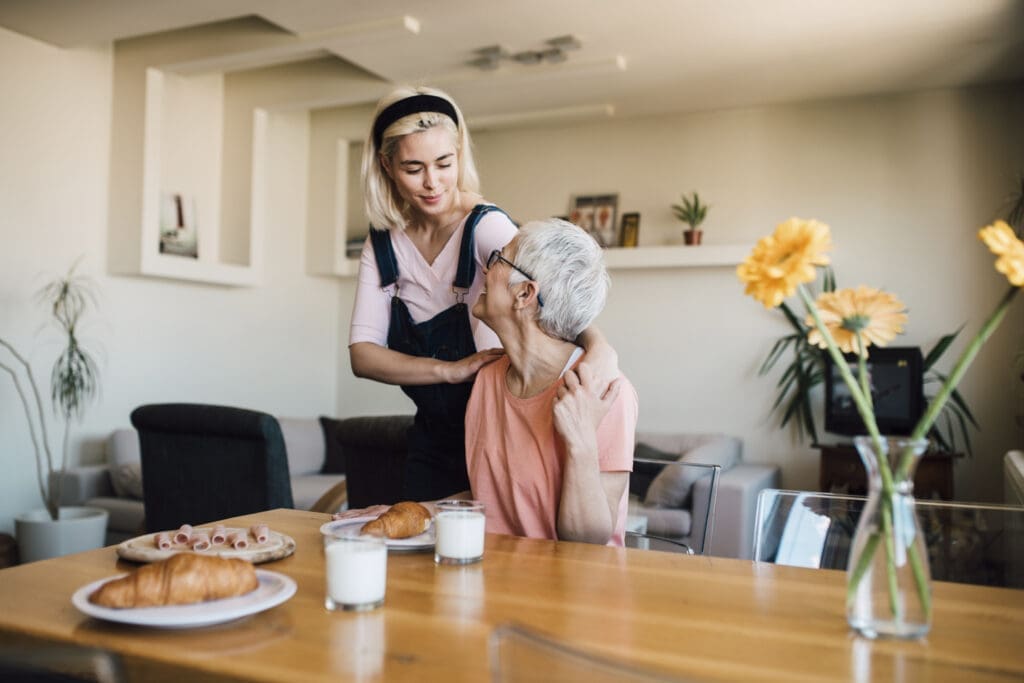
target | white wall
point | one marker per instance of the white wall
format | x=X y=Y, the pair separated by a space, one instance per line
x=272 y=347
x=904 y=181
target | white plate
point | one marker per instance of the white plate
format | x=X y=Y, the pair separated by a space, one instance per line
x=274 y=589
x=423 y=541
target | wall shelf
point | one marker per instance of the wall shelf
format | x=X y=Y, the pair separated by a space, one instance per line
x=149 y=106
x=675 y=256
x=635 y=258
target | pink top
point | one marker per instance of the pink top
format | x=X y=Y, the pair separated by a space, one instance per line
x=425 y=288
x=515 y=455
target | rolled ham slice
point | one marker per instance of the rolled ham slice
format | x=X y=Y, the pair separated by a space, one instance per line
x=200 y=541
x=219 y=535
x=184 y=534
x=238 y=541
x=162 y=541
x=260 y=532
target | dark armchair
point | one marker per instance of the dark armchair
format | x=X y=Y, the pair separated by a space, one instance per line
x=202 y=463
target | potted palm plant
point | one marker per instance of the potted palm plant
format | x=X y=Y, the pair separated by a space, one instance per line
x=74 y=381
x=693 y=213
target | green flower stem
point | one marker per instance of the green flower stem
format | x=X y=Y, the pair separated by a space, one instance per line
x=890 y=556
x=862 y=565
x=862 y=370
x=962 y=363
x=923 y=594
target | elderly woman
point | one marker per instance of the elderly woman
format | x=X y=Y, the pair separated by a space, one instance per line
x=548 y=452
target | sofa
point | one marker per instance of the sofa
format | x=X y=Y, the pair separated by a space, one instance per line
x=368 y=452
x=673 y=504
x=315 y=472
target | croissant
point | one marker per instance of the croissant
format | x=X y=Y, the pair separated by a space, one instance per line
x=179 y=580
x=402 y=520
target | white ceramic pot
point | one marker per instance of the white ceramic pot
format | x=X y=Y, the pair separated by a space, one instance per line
x=78 y=529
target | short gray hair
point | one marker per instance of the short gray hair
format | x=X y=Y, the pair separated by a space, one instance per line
x=568 y=265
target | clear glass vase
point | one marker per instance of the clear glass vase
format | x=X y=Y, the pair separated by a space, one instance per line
x=889 y=586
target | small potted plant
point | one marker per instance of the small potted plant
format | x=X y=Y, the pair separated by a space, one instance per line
x=74 y=382
x=693 y=213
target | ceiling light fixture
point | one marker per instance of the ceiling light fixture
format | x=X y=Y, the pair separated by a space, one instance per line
x=553 y=52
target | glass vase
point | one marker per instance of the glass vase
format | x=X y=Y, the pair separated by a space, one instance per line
x=889 y=589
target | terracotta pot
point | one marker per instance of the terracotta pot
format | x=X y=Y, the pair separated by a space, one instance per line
x=692 y=237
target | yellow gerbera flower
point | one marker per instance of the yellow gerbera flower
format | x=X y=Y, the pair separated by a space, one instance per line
x=878 y=316
x=1001 y=241
x=784 y=260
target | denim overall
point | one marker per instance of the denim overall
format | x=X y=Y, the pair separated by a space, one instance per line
x=436 y=464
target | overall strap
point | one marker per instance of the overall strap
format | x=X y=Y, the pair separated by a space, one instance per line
x=467 y=264
x=387 y=264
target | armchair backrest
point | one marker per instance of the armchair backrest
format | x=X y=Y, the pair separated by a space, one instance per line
x=202 y=463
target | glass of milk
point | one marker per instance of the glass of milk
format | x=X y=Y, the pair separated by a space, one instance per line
x=357 y=571
x=459 y=530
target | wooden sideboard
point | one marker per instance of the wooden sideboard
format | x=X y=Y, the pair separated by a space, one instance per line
x=841 y=470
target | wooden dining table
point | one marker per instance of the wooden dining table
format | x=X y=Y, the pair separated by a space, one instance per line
x=687 y=616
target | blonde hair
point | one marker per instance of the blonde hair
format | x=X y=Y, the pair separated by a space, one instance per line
x=384 y=206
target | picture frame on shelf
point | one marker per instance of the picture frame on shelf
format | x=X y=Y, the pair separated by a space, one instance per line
x=596 y=214
x=178 y=233
x=630 y=234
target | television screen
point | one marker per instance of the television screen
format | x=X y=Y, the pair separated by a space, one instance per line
x=896 y=381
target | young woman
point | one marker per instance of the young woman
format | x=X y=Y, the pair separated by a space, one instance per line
x=420 y=274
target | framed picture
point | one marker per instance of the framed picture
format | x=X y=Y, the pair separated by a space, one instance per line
x=597 y=215
x=178 y=234
x=630 y=229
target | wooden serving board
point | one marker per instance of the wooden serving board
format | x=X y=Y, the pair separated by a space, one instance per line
x=144 y=549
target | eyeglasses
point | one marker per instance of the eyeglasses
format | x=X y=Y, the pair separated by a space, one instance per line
x=496 y=256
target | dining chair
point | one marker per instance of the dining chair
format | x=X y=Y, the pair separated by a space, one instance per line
x=202 y=463
x=518 y=654
x=667 y=510
x=374 y=449
x=976 y=543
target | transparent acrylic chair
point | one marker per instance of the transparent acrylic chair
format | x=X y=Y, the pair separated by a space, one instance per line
x=54 y=663
x=668 y=510
x=518 y=655
x=977 y=543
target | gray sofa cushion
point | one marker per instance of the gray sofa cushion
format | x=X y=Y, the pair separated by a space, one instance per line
x=125 y=463
x=303 y=445
x=127 y=479
x=672 y=487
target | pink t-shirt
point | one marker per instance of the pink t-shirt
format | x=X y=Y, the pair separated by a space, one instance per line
x=515 y=456
x=425 y=288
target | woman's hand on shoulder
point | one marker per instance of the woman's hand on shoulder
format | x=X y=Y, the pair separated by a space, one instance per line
x=580 y=406
x=601 y=358
x=460 y=371
x=372 y=511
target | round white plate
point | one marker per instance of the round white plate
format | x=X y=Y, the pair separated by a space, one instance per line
x=423 y=541
x=274 y=589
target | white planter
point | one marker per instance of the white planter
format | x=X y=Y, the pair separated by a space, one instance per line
x=78 y=529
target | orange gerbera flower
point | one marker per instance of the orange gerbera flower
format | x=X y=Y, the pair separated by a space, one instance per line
x=1001 y=241
x=878 y=316
x=784 y=260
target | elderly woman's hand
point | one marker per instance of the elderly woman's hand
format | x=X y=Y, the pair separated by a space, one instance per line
x=580 y=407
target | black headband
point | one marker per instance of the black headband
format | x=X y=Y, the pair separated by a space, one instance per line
x=411 y=105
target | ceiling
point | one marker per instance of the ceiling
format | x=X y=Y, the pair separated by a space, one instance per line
x=640 y=57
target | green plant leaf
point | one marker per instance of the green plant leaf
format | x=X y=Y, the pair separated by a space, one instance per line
x=939 y=349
